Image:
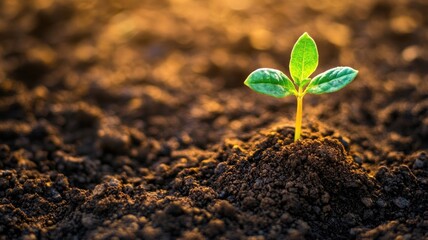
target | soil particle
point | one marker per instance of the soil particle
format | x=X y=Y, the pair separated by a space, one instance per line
x=401 y=202
x=4 y=152
x=112 y=140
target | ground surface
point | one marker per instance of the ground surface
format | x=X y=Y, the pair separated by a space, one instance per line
x=130 y=120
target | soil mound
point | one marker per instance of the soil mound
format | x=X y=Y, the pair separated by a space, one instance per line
x=312 y=186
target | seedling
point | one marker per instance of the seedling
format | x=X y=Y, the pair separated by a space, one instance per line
x=303 y=62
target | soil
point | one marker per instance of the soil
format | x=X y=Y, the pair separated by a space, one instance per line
x=129 y=120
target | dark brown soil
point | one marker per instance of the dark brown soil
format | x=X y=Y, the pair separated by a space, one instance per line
x=129 y=120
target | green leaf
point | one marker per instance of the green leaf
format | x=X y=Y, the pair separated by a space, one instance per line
x=305 y=81
x=304 y=59
x=271 y=82
x=331 y=80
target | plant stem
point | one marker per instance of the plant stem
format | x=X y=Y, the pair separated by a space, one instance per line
x=299 y=115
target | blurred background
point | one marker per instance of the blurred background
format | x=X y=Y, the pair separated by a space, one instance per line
x=174 y=68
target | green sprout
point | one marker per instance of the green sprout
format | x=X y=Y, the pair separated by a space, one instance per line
x=303 y=62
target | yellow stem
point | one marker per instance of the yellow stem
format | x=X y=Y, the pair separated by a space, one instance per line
x=299 y=115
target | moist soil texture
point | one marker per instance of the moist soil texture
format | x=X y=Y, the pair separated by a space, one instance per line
x=129 y=120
